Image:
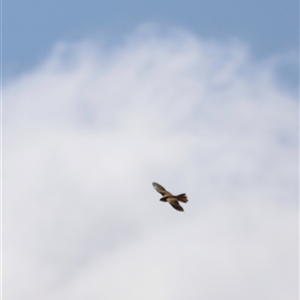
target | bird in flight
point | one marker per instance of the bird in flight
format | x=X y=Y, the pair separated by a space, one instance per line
x=168 y=197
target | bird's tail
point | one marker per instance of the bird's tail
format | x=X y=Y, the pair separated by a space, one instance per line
x=182 y=198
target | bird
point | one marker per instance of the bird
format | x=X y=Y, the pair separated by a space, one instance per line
x=168 y=197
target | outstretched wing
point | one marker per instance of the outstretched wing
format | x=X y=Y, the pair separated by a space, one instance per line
x=159 y=188
x=176 y=205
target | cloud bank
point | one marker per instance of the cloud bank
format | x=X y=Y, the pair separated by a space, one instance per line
x=88 y=130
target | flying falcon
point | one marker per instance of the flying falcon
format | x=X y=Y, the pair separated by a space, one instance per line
x=168 y=197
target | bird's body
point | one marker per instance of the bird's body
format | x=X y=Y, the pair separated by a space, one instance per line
x=168 y=197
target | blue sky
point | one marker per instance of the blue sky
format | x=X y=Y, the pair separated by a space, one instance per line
x=100 y=99
x=31 y=28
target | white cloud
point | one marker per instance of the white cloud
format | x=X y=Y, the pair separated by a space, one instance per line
x=86 y=133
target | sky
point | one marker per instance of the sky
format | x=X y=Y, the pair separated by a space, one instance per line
x=100 y=100
x=31 y=28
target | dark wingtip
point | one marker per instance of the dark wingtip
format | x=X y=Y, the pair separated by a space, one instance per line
x=177 y=206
